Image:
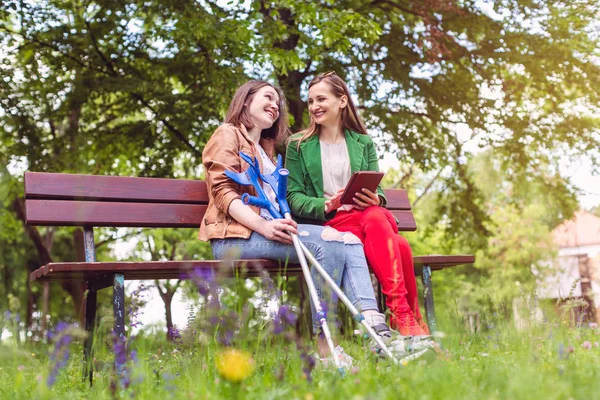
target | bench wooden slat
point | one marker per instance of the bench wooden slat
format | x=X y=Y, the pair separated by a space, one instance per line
x=397 y=199
x=406 y=220
x=54 y=186
x=132 y=270
x=42 y=185
x=149 y=215
x=75 y=271
x=96 y=213
x=437 y=262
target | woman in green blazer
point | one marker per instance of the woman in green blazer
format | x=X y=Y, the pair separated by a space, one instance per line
x=321 y=160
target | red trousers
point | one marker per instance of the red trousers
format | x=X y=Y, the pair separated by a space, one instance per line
x=390 y=258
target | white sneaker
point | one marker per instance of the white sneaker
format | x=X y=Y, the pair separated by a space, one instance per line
x=345 y=360
x=404 y=348
x=422 y=342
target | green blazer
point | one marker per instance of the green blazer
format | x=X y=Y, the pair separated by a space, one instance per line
x=305 y=181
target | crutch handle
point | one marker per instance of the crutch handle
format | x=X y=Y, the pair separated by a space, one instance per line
x=282 y=191
x=262 y=203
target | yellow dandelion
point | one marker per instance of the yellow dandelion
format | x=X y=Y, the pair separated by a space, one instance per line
x=234 y=365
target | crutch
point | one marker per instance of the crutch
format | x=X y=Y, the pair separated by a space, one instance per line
x=278 y=181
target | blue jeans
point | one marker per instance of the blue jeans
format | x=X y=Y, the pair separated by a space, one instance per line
x=340 y=254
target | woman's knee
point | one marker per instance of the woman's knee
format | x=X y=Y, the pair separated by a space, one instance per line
x=379 y=216
x=350 y=238
x=329 y=234
x=403 y=244
x=319 y=235
x=325 y=240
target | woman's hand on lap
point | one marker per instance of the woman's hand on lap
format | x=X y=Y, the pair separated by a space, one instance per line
x=277 y=229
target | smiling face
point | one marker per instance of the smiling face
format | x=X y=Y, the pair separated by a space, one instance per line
x=264 y=107
x=324 y=106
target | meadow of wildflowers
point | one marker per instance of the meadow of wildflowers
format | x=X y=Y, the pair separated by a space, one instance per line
x=234 y=346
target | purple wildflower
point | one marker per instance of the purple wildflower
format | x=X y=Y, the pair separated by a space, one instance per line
x=203 y=278
x=137 y=301
x=284 y=316
x=121 y=358
x=215 y=320
x=60 y=354
x=225 y=337
x=561 y=351
x=309 y=365
x=174 y=334
x=287 y=315
x=277 y=325
x=133 y=356
x=268 y=285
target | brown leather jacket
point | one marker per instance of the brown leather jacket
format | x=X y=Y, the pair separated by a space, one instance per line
x=222 y=152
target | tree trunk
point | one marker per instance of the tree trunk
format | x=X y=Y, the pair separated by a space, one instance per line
x=167 y=295
x=169 y=316
x=290 y=84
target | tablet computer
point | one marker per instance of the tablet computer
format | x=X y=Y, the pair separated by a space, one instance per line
x=358 y=181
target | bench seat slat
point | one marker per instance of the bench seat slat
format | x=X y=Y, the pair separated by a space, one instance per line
x=73 y=271
x=150 y=215
x=132 y=270
x=437 y=262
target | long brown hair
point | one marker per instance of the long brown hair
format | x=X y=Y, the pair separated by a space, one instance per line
x=350 y=119
x=238 y=111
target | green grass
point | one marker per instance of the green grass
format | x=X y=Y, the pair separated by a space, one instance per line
x=498 y=363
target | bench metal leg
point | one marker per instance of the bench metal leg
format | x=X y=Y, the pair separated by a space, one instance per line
x=119 y=315
x=381 y=298
x=119 y=304
x=90 y=326
x=90 y=305
x=428 y=295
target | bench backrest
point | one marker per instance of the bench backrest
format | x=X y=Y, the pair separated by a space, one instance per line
x=114 y=201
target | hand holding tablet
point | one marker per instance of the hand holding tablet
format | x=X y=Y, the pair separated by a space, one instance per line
x=359 y=180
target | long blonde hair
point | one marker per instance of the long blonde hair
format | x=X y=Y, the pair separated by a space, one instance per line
x=350 y=118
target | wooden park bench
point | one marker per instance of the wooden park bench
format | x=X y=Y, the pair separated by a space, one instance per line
x=88 y=201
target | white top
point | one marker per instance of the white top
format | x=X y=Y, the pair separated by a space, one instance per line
x=268 y=168
x=336 y=168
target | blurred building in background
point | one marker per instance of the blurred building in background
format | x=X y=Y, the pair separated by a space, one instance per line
x=573 y=279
